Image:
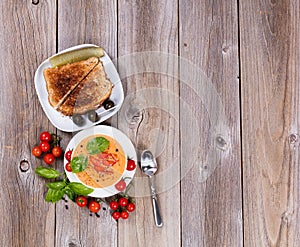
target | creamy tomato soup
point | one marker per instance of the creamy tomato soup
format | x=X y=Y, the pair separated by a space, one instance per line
x=105 y=168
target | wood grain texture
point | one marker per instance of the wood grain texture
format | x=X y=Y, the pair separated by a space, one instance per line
x=146 y=117
x=86 y=22
x=202 y=197
x=211 y=205
x=270 y=121
x=26 y=40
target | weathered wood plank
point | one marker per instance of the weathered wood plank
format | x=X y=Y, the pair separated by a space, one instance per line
x=86 y=22
x=26 y=40
x=211 y=196
x=270 y=109
x=150 y=116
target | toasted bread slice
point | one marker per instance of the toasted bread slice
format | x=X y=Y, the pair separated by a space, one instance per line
x=89 y=94
x=61 y=81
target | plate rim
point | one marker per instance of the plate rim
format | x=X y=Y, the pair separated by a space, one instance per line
x=105 y=130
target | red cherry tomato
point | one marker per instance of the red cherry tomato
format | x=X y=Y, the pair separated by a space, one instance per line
x=114 y=205
x=121 y=185
x=94 y=206
x=68 y=167
x=116 y=215
x=45 y=146
x=49 y=158
x=81 y=201
x=130 y=165
x=57 y=151
x=130 y=207
x=45 y=136
x=124 y=215
x=68 y=155
x=36 y=151
x=123 y=201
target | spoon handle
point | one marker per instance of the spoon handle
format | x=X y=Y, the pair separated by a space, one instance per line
x=156 y=211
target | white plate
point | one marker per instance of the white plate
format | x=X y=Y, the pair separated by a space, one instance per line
x=121 y=138
x=65 y=123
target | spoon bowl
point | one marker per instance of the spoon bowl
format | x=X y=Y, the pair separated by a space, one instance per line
x=148 y=163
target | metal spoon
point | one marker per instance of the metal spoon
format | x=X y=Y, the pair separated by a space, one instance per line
x=149 y=167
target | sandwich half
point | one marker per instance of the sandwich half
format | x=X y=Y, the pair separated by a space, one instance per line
x=89 y=94
x=62 y=80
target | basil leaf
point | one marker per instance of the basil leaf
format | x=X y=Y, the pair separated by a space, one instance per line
x=56 y=185
x=97 y=145
x=79 y=163
x=80 y=189
x=70 y=193
x=46 y=172
x=54 y=195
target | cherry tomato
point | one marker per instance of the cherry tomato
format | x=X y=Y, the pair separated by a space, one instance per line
x=36 y=151
x=81 y=201
x=49 y=158
x=114 y=205
x=124 y=215
x=45 y=146
x=130 y=207
x=130 y=165
x=123 y=201
x=56 y=151
x=68 y=167
x=116 y=215
x=121 y=185
x=68 y=155
x=45 y=136
x=94 y=206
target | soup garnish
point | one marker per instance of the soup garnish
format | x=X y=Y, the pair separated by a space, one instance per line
x=99 y=161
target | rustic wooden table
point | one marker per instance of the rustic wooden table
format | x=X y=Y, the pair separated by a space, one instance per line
x=227 y=145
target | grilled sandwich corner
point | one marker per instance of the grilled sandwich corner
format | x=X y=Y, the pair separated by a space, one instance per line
x=78 y=87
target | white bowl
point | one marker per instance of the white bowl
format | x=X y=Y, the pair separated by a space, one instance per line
x=126 y=145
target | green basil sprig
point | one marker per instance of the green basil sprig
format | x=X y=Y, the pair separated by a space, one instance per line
x=56 y=185
x=54 y=195
x=97 y=145
x=79 y=163
x=46 y=172
x=71 y=194
x=57 y=189
x=80 y=189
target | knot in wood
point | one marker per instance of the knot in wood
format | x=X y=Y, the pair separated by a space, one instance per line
x=73 y=243
x=293 y=138
x=225 y=49
x=35 y=2
x=287 y=216
x=221 y=143
x=24 y=165
x=134 y=115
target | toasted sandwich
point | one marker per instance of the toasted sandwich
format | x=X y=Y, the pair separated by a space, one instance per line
x=90 y=93
x=62 y=80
